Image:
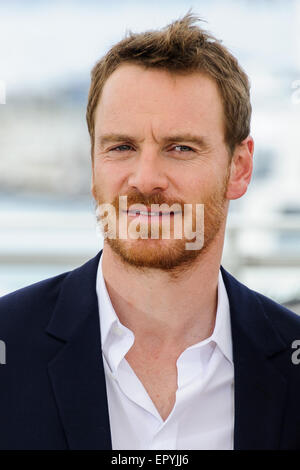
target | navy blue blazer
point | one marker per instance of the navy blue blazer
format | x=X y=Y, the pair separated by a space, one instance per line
x=52 y=387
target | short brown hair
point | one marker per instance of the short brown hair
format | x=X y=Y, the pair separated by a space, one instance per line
x=181 y=47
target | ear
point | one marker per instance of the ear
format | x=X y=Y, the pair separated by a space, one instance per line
x=240 y=169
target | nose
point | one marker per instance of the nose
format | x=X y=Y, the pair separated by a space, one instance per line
x=148 y=175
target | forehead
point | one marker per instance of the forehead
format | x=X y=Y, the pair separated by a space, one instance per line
x=134 y=95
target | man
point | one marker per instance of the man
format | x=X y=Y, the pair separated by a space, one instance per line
x=152 y=344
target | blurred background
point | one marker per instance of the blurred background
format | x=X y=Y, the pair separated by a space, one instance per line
x=47 y=49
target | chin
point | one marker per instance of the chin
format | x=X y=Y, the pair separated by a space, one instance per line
x=164 y=255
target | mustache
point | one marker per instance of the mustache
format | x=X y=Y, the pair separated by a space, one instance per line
x=147 y=199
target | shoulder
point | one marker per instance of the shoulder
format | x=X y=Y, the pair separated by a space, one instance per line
x=30 y=305
x=253 y=308
x=284 y=319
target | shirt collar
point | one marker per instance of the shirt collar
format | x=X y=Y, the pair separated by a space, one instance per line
x=113 y=332
x=108 y=316
x=222 y=331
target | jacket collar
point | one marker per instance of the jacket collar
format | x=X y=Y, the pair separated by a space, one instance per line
x=76 y=372
x=78 y=378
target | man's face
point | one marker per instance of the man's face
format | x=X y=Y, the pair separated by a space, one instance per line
x=159 y=138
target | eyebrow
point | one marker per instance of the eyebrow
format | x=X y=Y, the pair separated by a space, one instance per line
x=201 y=142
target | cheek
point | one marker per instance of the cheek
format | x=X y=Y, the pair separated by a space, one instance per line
x=197 y=186
x=202 y=188
x=107 y=180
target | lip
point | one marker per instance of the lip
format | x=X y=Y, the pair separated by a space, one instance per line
x=149 y=216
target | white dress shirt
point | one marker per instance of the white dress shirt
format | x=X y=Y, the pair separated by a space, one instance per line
x=203 y=413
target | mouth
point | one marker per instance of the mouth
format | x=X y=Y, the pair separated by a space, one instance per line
x=150 y=215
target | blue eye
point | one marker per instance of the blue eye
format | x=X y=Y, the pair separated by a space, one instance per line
x=121 y=148
x=185 y=148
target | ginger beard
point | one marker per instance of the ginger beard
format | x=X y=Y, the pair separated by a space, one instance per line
x=166 y=254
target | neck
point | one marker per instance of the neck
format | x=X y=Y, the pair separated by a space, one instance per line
x=162 y=312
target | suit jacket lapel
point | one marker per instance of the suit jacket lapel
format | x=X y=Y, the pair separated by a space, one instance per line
x=76 y=372
x=260 y=387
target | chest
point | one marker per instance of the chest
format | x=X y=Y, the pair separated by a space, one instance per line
x=159 y=379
